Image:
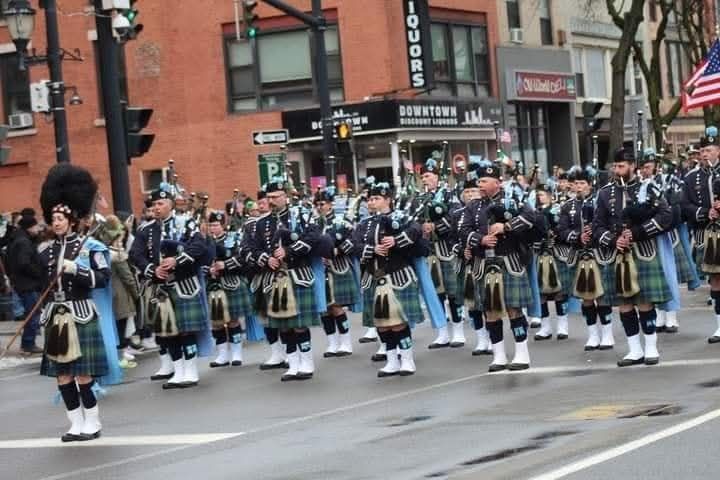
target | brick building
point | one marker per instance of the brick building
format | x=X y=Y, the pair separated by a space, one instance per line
x=211 y=91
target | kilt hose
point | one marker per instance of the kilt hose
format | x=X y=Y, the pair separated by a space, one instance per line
x=307 y=311
x=93 y=361
x=409 y=299
x=344 y=289
x=190 y=313
x=516 y=289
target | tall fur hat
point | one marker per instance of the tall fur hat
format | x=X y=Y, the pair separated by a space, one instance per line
x=68 y=189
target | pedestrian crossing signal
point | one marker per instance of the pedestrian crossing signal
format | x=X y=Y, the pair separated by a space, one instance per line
x=343 y=132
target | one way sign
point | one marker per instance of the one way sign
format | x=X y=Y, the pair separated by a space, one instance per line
x=270 y=137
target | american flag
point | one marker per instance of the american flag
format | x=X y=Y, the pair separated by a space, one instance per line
x=703 y=86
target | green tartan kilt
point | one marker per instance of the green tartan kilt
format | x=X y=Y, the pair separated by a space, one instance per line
x=345 y=290
x=684 y=273
x=607 y=275
x=409 y=298
x=307 y=315
x=239 y=301
x=567 y=277
x=93 y=361
x=460 y=283
x=449 y=277
x=516 y=290
x=190 y=313
x=651 y=280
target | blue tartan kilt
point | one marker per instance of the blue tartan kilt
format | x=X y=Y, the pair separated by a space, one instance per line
x=567 y=277
x=684 y=272
x=409 y=298
x=240 y=302
x=307 y=311
x=344 y=288
x=449 y=277
x=93 y=361
x=516 y=290
x=190 y=313
x=607 y=275
x=654 y=287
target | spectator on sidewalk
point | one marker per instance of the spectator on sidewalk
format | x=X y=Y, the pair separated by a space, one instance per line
x=25 y=272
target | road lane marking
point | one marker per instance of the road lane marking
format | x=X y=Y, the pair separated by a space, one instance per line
x=627 y=447
x=122 y=441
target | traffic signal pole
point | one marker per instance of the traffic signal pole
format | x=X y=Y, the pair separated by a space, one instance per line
x=57 y=88
x=317 y=23
x=114 y=127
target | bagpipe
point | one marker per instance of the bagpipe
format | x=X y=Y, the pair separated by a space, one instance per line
x=588 y=281
x=711 y=256
x=548 y=276
x=493 y=284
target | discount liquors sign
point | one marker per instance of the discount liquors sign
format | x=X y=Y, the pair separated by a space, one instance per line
x=417 y=33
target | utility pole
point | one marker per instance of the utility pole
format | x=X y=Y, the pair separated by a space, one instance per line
x=318 y=24
x=56 y=85
x=114 y=125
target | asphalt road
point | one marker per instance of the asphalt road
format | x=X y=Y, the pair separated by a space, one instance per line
x=573 y=415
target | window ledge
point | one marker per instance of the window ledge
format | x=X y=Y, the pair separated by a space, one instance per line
x=25 y=132
x=99 y=122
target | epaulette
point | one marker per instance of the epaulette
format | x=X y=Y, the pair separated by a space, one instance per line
x=607 y=185
x=146 y=224
x=692 y=170
x=44 y=246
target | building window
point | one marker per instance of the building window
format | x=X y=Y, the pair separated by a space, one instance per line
x=591 y=68
x=460 y=60
x=513 y=14
x=633 y=79
x=533 y=134
x=151 y=179
x=15 y=87
x=122 y=77
x=546 y=33
x=280 y=72
x=678 y=67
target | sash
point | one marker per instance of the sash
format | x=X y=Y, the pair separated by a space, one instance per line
x=318 y=268
x=684 y=236
x=533 y=310
x=430 y=296
x=667 y=258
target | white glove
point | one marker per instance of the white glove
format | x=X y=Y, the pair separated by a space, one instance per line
x=69 y=267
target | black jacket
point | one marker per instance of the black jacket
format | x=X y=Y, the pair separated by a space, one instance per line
x=23 y=263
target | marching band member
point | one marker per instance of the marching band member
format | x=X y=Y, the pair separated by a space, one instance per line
x=386 y=244
x=501 y=233
x=169 y=252
x=75 y=349
x=340 y=282
x=281 y=247
x=630 y=214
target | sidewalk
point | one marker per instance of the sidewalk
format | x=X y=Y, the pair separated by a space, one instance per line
x=15 y=357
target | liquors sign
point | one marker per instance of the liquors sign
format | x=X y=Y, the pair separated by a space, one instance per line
x=417 y=33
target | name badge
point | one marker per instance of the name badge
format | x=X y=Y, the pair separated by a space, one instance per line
x=59 y=297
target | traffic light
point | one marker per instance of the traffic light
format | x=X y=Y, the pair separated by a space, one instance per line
x=249 y=18
x=343 y=137
x=136 y=119
x=4 y=149
x=590 y=121
x=135 y=28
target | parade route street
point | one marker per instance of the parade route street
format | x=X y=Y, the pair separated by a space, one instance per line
x=573 y=415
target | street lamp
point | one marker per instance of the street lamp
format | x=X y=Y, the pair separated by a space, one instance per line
x=20 y=17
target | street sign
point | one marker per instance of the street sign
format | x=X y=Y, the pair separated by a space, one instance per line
x=270 y=165
x=270 y=137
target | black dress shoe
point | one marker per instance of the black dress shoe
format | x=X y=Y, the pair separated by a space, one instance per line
x=590 y=348
x=288 y=377
x=606 y=347
x=382 y=374
x=91 y=436
x=379 y=357
x=273 y=366
x=330 y=354
x=540 y=338
x=652 y=360
x=434 y=346
x=172 y=386
x=518 y=366
x=672 y=329
x=477 y=353
x=457 y=344
x=714 y=339
x=405 y=373
x=367 y=340
x=218 y=365
x=343 y=354
x=496 y=367
x=71 y=437
x=304 y=376
x=166 y=376
x=236 y=363
x=661 y=329
x=627 y=362
x=562 y=336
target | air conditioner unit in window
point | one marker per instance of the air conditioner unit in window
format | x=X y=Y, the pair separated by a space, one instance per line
x=20 y=120
x=516 y=35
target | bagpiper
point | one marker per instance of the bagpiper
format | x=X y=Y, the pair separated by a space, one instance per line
x=501 y=233
x=169 y=252
x=228 y=293
x=701 y=207
x=386 y=243
x=433 y=212
x=341 y=279
x=75 y=352
x=629 y=217
x=281 y=244
x=552 y=267
x=575 y=234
